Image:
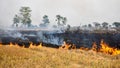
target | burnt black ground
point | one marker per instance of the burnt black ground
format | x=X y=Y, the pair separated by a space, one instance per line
x=80 y=39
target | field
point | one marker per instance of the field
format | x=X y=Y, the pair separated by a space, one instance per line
x=44 y=57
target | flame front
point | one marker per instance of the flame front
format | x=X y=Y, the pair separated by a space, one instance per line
x=30 y=46
x=105 y=48
x=35 y=46
x=108 y=50
x=67 y=46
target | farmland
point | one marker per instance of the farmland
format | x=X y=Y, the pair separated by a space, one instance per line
x=45 y=57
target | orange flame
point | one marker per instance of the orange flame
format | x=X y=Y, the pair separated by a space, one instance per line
x=31 y=45
x=83 y=48
x=94 y=47
x=105 y=48
x=11 y=44
x=35 y=46
x=16 y=45
x=108 y=50
x=0 y=43
x=67 y=46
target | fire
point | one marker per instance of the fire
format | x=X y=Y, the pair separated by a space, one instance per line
x=40 y=45
x=11 y=44
x=67 y=46
x=105 y=48
x=108 y=50
x=94 y=47
x=30 y=46
x=83 y=48
x=35 y=46
x=0 y=44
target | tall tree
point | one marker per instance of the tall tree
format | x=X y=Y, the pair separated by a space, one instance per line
x=61 y=20
x=58 y=19
x=64 y=20
x=16 y=20
x=68 y=27
x=89 y=25
x=25 y=16
x=105 y=25
x=45 y=19
x=116 y=24
x=96 y=24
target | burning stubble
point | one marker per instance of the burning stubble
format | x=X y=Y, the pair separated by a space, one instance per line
x=105 y=48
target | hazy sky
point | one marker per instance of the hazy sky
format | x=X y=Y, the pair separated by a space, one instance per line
x=77 y=11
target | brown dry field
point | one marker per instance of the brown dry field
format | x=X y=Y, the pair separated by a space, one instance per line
x=43 y=57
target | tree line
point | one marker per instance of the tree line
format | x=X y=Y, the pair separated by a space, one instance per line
x=104 y=25
x=24 y=18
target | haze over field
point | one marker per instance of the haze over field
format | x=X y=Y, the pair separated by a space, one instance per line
x=77 y=11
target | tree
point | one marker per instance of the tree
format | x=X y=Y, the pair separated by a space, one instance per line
x=105 y=25
x=64 y=20
x=45 y=19
x=96 y=24
x=84 y=26
x=89 y=25
x=68 y=27
x=25 y=16
x=58 y=19
x=61 y=20
x=110 y=26
x=16 y=20
x=116 y=24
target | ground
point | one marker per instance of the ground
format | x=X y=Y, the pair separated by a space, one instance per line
x=44 y=57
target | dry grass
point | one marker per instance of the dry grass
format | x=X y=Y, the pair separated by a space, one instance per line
x=17 y=57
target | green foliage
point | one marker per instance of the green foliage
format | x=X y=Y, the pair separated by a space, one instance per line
x=61 y=20
x=96 y=24
x=116 y=24
x=68 y=27
x=105 y=24
x=64 y=20
x=45 y=19
x=16 y=20
x=89 y=25
x=25 y=12
x=24 y=17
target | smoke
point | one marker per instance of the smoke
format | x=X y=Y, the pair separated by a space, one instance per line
x=77 y=11
x=45 y=34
